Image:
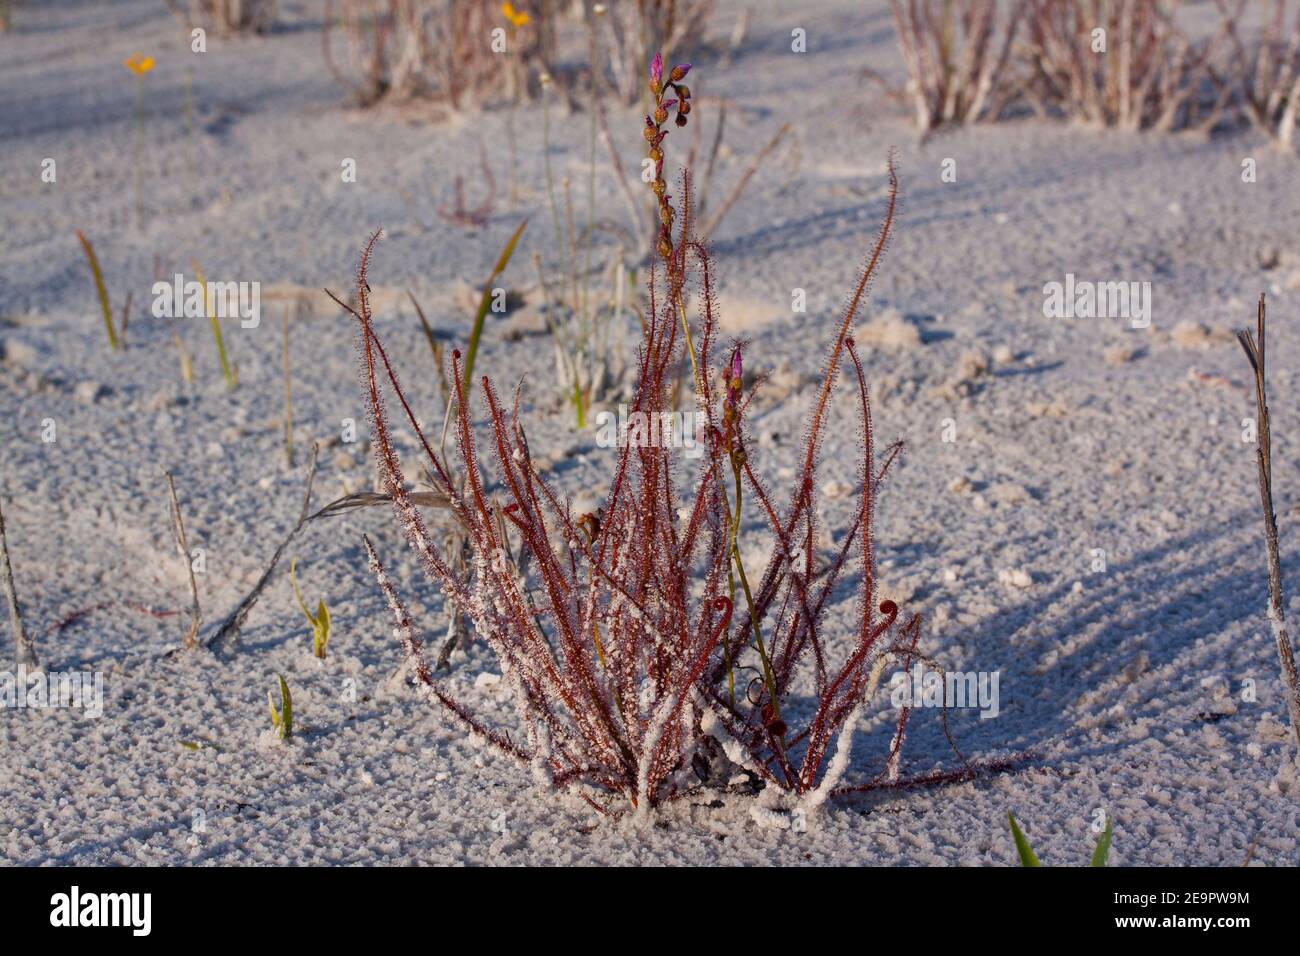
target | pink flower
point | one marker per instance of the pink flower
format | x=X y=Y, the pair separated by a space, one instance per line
x=734 y=378
x=657 y=68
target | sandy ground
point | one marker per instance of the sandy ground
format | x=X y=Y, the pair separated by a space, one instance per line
x=1079 y=434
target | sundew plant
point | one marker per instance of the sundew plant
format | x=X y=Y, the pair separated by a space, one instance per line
x=629 y=637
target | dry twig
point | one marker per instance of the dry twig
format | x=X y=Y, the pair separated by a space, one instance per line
x=1255 y=352
x=229 y=628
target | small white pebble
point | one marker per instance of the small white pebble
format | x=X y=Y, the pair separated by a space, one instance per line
x=1015 y=577
x=835 y=489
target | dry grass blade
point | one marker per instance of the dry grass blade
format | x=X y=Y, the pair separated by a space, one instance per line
x=227 y=371
x=100 y=290
x=24 y=652
x=715 y=220
x=485 y=301
x=125 y=321
x=435 y=349
x=635 y=214
x=372 y=499
x=190 y=641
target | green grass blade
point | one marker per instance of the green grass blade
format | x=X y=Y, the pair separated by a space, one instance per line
x=226 y=371
x=1100 y=854
x=286 y=711
x=484 y=301
x=187 y=363
x=100 y=290
x=321 y=632
x=293 y=579
x=1027 y=857
x=424 y=324
x=435 y=349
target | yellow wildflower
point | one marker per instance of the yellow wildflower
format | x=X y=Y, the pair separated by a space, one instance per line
x=139 y=64
x=516 y=17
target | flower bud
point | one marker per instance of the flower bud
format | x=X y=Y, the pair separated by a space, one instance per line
x=661 y=115
x=679 y=72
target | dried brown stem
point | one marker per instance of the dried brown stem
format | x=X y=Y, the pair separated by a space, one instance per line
x=1150 y=76
x=957 y=54
x=712 y=223
x=1267 y=75
x=24 y=652
x=1255 y=353
x=190 y=641
x=228 y=630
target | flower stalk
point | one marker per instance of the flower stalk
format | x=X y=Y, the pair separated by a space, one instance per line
x=139 y=65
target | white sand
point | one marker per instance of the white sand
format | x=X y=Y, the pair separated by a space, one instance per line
x=1110 y=678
